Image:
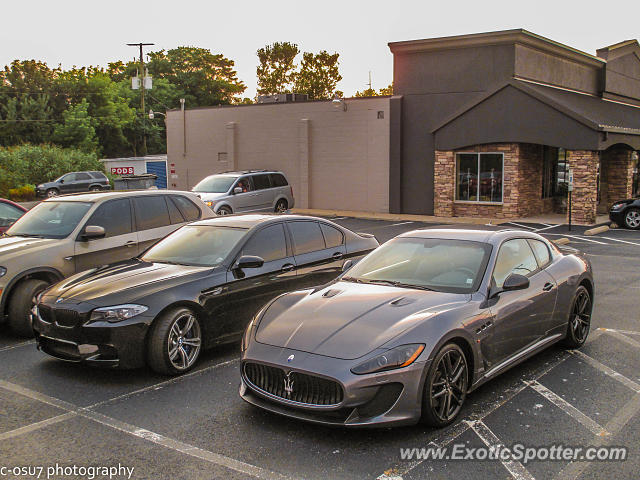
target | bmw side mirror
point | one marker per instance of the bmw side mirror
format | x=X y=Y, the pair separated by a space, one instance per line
x=237 y=190
x=93 y=231
x=347 y=265
x=515 y=281
x=248 y=261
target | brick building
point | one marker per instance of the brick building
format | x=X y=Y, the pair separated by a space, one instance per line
x=485 y=125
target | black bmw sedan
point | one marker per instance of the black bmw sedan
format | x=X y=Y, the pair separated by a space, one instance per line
x=196 y=288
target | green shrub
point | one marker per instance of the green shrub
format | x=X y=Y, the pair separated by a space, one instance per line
x=34 y=164
x=25 y=193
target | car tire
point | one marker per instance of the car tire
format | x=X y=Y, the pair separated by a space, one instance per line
x=52 y=192
x=224 y=210
x=175 y=342
x=632 y=218
x=439 y=392
x=281 y=206
x=21 y=303
x=95 y=189
x=579 y=321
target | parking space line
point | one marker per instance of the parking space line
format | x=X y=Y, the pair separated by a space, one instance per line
x=574 y=469
x=37 y=426
x=515 y=468
x=401 y=223
x=157 y=386
x=17 y=345
x=577 y=237
x=606 y=370
x=167 y=442
x=548 y=227
x=520 y=225
x=625 y=332
x=462 y=426
x=623 y=338
x=569 y=409
x=621 y=241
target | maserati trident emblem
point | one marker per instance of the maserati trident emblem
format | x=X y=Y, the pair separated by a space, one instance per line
x=290 y=359
x=288 y=384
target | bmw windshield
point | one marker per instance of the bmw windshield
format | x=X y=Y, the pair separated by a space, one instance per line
x=452 y=266
x=50 y=219
x=196 y=245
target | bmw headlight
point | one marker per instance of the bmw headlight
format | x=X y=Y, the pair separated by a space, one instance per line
x=398 y=357
x=618 y=205
x=116 y=313
x=3 y=271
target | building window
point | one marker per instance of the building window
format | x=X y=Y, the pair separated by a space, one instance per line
x=479 y=177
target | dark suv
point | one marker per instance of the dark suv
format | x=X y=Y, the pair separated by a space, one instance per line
x=74 y=182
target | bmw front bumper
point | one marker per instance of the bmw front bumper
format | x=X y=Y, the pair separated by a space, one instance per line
x=380 y=399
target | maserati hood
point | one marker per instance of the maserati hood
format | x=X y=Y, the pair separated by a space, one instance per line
x=349 y=320
x=131 y=279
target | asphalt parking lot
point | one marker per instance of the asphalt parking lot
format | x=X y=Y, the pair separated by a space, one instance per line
x=197 y=427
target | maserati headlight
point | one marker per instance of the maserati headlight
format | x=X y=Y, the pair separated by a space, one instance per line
x=3 y=271
x=116 y=313
x=398 y=357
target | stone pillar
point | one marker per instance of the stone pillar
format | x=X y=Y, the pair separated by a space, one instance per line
x=584 y=164
x=444 y=178
x=303 y=196
x=617 y=169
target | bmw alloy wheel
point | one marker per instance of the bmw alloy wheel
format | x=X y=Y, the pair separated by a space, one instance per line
x=184 y=341
x=632 y=219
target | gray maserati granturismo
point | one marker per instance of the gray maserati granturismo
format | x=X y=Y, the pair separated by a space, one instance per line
x=410 y=330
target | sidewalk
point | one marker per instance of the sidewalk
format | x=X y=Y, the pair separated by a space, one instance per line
x=546 y=219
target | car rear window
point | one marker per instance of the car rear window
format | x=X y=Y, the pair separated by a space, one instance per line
x=260 y=182
x=98 y=175
x=188 y=209
x=278 y=180
x=307 y=237
x=332 y=236
x=151 y=212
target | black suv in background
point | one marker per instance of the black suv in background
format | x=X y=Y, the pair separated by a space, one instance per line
x=74 y=182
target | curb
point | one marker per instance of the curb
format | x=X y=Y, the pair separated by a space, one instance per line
x=596 y=230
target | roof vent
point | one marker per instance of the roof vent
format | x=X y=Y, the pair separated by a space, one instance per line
x=283 y=98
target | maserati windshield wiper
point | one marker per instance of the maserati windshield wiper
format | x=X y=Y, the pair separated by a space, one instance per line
x=394 y=283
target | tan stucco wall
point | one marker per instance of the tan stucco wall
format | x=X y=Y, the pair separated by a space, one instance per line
x=332 y=157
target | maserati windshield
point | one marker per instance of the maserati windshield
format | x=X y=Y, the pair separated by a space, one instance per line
x=197 y=245
x=454 y=266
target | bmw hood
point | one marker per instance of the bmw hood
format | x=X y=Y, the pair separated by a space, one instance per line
x=348 y=320
x=12 y=246
x=128 y=281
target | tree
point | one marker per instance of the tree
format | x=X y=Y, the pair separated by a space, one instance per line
x=318 y=75
x=77 y=131
x=277 y=71
x=370 y=92
x=206 y=78
x=387 y=90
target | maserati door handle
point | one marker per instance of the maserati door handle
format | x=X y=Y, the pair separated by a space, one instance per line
x=548 y=287
x=337 y=255
x=288 y=267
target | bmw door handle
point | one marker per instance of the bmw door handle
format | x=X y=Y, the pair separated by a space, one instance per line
x=288 y=267
x=130 y=244
x=337 y=255
x=548 y=287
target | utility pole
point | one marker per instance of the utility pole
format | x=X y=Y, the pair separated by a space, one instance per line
x=369 y=80
x=144 y=133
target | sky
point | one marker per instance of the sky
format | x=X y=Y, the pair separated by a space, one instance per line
x=87 y=32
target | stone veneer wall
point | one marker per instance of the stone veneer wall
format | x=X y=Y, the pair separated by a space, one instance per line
x=522 y=183
x=617 y=176
x=584 y=199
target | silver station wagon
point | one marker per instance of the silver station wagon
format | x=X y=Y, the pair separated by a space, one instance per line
x=246 y=191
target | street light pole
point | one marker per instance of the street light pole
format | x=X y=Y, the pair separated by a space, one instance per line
x=144 y=133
